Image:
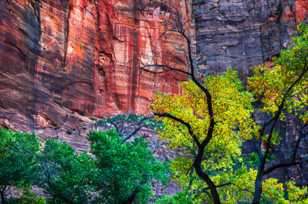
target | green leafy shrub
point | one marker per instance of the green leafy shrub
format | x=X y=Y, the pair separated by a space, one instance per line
x=18 y=159
x=126 y=168
x=65 y=175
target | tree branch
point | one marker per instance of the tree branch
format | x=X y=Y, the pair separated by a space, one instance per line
x=282 y=165
x=163 y=66
x=187 y=125
x=140 y=126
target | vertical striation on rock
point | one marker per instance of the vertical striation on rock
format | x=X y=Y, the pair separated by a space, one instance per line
x=65 y=61
x=61 y=60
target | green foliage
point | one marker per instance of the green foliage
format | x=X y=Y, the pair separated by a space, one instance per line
x=297 y=195
x=65 y=175
x=126 y=168
x=113 y=173
x=17 y=158
x=274 y=192
x=179 y=198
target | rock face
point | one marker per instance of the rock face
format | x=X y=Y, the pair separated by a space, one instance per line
x=244 y=33
x=65 y=61
x=61 y=60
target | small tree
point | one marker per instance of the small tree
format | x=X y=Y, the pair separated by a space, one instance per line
x=18 y=162
x=126 y=168
x=130 y=125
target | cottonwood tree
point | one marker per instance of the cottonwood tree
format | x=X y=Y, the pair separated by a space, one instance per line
x=281 y=91
x=201 y=143
x=221 y=158
x=172 y=110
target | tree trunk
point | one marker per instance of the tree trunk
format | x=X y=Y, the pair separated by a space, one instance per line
x=258 y=183
x=206 y=178
x=258 y=190
x=131 y=198
x=2 y=196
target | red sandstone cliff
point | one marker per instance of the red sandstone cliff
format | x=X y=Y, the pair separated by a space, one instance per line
x=64 y=61
x=60 y=60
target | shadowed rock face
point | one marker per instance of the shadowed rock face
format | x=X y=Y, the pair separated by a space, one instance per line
x=244 y=33
x=61 y=60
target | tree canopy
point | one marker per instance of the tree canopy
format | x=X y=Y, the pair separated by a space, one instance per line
x=17 y=159
x=114 y=171
x=126 y=168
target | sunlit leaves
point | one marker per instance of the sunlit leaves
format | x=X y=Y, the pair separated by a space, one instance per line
x=297 y=194
x=232 y=109
x=233 y=124
x=270 y=84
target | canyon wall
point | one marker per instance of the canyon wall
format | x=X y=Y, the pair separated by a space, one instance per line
x=244 y=33
x=64 y=61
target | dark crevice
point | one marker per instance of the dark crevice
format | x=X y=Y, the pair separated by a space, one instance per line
x=135 y=60
x=66 y=35
x=33 y=16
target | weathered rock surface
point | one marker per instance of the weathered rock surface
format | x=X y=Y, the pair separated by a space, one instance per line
x=65 y=61
x=61 y=60
x=244 y=33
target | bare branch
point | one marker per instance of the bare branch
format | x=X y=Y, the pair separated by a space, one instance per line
x=163 y=66
x=140 y=126
x=293 y=160
x=282 y=165
x=187 y=125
